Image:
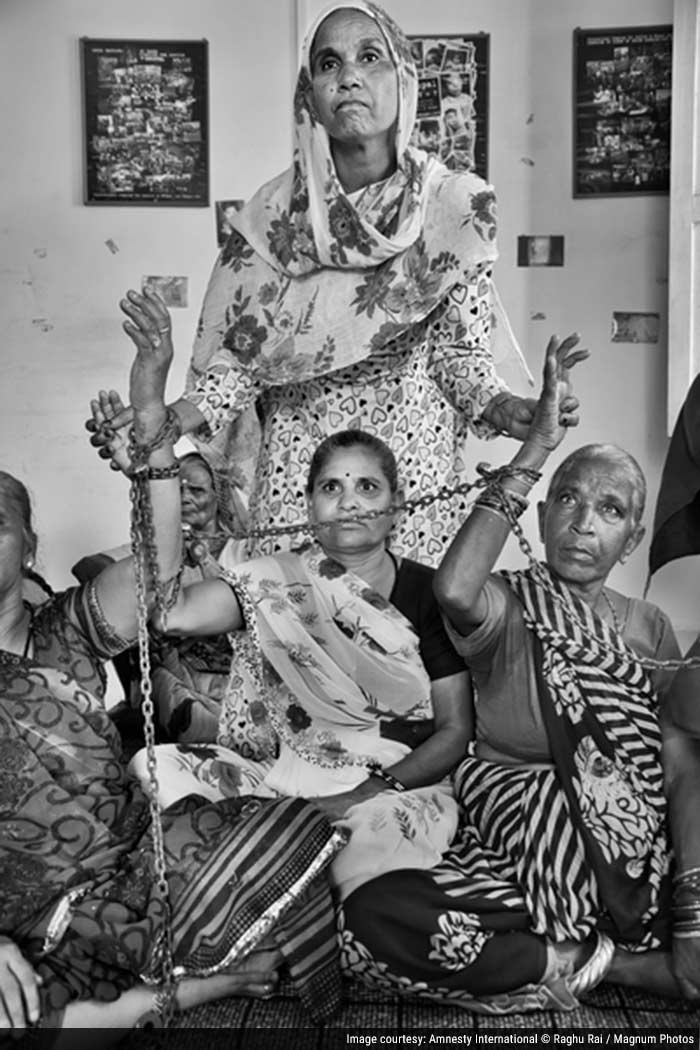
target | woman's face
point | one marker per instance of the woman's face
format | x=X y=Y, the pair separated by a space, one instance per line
x=589 y=522
x=351 y=482
x=14 y=546
x=354 y=82
x=198 y=497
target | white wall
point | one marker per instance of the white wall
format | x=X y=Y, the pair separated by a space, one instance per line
x=55 y=265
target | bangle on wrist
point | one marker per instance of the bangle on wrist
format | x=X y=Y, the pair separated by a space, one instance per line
x=502 y=501
x=162 y=473
x=376 y=770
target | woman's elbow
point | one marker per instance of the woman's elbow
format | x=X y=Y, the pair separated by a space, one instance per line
x=446 y=589
x=454 y=597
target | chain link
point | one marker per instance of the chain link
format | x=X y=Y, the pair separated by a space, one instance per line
x=488 y=477
x=525 y=546
x=144 y=550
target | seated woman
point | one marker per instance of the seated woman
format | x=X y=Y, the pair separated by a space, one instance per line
x=344 y=686
x=559 y=873
x=84 y=916
x=188 y=676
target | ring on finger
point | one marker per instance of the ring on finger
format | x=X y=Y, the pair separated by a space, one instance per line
x=165 y=328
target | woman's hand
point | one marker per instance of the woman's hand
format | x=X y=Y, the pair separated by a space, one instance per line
x=513 y=415
x=336 y=806
x=109 y=436
x=149 y=329
x=19 y=988
x=554 y=412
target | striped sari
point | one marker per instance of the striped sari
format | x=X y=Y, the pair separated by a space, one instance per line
x=544 y=853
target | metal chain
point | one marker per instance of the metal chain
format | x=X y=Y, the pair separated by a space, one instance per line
x=525 y=546
x=492 y=479
x=144 y=550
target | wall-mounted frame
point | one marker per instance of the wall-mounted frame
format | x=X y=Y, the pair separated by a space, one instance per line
x=146 y=121
x=622 y=110
x=453 y=99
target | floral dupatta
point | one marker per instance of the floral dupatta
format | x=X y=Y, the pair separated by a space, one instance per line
x=599 y=709
x=323 y=658
x=313 y=280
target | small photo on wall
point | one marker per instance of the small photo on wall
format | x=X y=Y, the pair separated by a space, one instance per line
x=541 y=250
x=635 y=327
x=224 y=211
x=171 y=289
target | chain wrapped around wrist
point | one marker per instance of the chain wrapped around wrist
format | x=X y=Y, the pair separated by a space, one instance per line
x=140 y=451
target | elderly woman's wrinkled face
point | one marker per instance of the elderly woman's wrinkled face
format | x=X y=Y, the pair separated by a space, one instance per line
x=198 y=497
x=351 y=482
x=590 y=521
x=354 y=82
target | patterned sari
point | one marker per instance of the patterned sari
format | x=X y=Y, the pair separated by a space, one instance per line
x=544 y=853
x=71 y=820
x=323 y=662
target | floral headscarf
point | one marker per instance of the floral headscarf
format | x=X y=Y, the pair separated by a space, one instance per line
x=321 y=227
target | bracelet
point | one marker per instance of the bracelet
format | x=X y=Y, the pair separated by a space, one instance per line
x=161 y=473
x=511 y=504
x=375 y=770
x=689 y=875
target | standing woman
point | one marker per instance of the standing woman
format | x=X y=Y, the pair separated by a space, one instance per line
x=354 y=292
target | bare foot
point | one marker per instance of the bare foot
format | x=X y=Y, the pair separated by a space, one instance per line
x=255 y=976
x=650 y=971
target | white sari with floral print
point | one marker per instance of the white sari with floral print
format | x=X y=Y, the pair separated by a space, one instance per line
x=322 y=661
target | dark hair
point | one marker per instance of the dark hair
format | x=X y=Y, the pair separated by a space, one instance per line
x=346 y=439
x=18 y=496
x=614 y=455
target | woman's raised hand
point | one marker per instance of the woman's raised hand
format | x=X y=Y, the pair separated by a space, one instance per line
x=19 y=988
x=148 y=327
x=557 y=408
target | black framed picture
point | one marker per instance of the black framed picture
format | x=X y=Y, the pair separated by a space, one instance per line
x=146 y=121
x=453 y=99
x=622 y=110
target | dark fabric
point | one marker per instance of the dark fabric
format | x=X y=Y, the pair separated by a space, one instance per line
x=676 y=531
x=400 y=916
x=71 y=818
x=412 y=594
